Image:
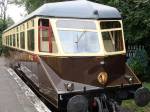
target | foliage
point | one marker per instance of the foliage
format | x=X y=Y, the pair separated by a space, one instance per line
x=9 y=21
x=130 y=104
x=3 y=26
x=3 y=9
x=135 y=17
x=32 y=5
x=139 y=63
x=3 y=19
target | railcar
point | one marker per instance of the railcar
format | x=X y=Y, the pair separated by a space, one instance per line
x=74 y=54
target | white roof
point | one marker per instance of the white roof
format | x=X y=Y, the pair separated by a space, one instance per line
x=74 y=9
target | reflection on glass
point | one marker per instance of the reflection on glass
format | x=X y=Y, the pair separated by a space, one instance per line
x=44 y=34
x=112 y=41
x=76 y=24
x=79 y=41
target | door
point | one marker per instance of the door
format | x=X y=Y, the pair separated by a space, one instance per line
x=45 y=44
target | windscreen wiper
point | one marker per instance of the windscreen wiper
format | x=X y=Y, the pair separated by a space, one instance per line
x=78 y=39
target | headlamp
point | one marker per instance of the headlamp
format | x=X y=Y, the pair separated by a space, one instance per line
x=102 y=78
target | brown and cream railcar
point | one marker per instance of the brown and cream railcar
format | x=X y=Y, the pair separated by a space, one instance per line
x=74 y=53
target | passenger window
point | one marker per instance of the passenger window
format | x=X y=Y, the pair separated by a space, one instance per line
x=32 y=23
x=14 y=40
x=27 y=25
x=10 y=40
x=23 y=26
x=22 y=40
x=17 y=40
x=17 y=28
x=6 y=40
x=47 y=41
x=31 y=40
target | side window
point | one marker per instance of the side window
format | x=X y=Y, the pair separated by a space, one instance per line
x=22 y=40
x=54 y=45
x=32 y=23
x=17 y=40
x=31 y=40
x=44 y=37
x=14 y=40
x=10 y=40
x=47 y=41
x=6 y=40
x=27 y=25
x=17 y=28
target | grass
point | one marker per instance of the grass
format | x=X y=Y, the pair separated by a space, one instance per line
x=132 y=106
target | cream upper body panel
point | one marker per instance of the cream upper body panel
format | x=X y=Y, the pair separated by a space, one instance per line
x=102 y=51
x=60 y=52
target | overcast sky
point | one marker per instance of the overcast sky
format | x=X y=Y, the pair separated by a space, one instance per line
x=16 y=12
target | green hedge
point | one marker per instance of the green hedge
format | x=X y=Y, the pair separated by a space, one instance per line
x=139 y=64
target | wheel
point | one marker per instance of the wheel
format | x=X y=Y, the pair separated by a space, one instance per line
x=78 y=103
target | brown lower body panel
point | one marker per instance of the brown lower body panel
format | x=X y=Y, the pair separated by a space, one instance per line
x=50 y=74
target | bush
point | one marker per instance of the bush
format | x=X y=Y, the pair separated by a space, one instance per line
x=3 y=50
x=139 y=63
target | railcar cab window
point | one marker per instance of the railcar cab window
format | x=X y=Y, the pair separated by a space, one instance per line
x=78 y=36
x=112 y=36
x=47 y=41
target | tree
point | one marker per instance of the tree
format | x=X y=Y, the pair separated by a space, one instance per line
x=4 y=21
x=32 y=5
x=9 y=21
x=3 y=9
x=135 y=15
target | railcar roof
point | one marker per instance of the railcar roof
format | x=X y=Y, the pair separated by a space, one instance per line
x=80 y=9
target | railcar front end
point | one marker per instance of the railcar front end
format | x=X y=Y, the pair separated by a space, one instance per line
x=76 y=60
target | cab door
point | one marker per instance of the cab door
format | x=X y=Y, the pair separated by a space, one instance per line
x=44 y=36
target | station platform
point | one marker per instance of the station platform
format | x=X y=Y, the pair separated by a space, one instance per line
x=15 y=95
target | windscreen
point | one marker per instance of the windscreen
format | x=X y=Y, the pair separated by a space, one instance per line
x=112 y=36
x=78 y=36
